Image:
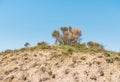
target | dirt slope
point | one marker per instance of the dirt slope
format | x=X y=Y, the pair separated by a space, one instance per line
x=51 y=66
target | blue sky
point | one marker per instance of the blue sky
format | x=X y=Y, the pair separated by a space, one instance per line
x=34 y=20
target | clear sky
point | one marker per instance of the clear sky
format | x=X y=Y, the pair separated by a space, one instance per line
x=34 y=20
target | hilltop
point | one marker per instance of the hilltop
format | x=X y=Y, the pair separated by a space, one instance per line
x=68 y=60
x=59 y=63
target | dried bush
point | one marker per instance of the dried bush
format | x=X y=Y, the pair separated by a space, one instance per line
x=94 y=46
x=69 y=36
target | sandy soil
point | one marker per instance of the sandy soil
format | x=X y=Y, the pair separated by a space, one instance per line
x=50 y=66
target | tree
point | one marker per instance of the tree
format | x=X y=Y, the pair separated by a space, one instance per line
x=56 y=35
x=69 y=35
x=95 y=45
x=64 y=29
x=27 y=45
x=42 y=43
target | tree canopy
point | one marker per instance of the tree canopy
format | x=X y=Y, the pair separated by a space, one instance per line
x=69 y=35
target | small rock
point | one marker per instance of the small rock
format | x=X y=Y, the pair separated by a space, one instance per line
x=45 y=79
x=43 y=69
x=67 y=71
x=53 y=76
x=83 y=58
x=93 y=78
x=50 y=73
x=101 y=73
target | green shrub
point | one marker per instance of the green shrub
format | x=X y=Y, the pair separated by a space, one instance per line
x=95 y=47
x=67 y=50
x=8 y=51
x=118 y=53
x=109 y=60
x=43 y=45
x=83 y=47
x=117 y=58
x=83 y=58
x=107 y=54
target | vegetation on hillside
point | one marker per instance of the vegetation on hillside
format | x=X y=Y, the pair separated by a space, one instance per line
x=69 y=35
x=67 y=41
x=67 y=58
